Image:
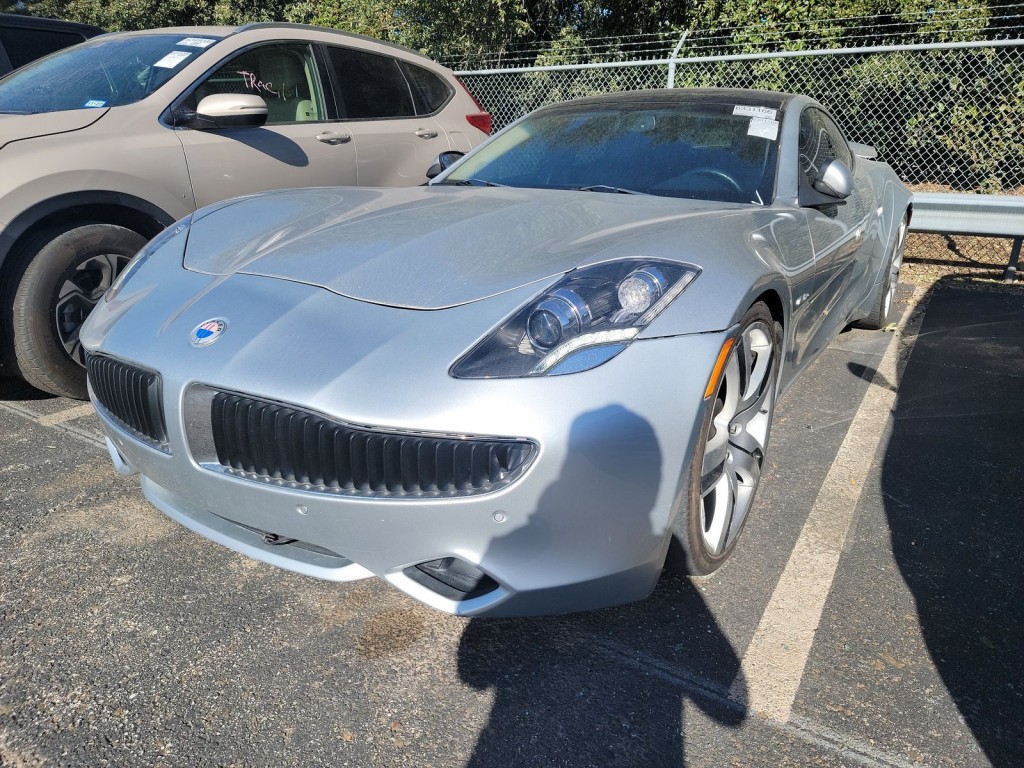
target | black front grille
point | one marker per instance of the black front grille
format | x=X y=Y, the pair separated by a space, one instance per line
x=281 y=444
x=131 y=396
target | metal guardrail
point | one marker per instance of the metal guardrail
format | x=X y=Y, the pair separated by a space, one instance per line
x=946 y=213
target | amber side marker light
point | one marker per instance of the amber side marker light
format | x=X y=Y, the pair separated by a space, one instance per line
x=716 y=374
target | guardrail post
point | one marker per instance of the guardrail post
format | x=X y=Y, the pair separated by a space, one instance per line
x=1010 y=275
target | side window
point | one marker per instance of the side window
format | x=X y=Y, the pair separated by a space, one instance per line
x=429 y=90
x=25 y=45
x=283 y=75
x=370 y=86
x=820 y=142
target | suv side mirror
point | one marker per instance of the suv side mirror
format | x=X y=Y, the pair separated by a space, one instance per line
x=233 y=110
x=444 y=161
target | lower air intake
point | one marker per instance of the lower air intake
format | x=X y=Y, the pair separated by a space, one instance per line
x=452 y=578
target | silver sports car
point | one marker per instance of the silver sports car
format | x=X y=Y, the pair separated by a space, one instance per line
x=524 y=388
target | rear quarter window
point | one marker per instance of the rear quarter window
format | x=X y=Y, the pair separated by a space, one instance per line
x=430 y=91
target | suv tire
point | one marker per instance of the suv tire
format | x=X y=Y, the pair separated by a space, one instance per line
x=60 y=285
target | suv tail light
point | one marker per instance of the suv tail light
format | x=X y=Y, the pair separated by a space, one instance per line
x=480 y=120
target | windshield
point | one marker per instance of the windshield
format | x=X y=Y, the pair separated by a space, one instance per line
x=104 y=72
x=707 y=151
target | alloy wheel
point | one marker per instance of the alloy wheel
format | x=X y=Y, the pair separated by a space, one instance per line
x=737 y=438
x=80 y=290
x=894 y=269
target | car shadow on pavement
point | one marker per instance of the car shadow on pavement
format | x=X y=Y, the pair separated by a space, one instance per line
x=953 y=488
x=608 y=687
x=13 y=388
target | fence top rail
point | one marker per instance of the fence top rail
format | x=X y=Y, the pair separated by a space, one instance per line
x=755 y=56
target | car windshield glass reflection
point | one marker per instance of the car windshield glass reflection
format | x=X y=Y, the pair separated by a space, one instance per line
x=105 y=72
x=697 y=150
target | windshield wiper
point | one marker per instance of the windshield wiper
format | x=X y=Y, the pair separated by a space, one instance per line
x=606 y=188
x=474 y=183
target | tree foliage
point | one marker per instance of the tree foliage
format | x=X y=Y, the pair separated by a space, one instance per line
x=464 y=29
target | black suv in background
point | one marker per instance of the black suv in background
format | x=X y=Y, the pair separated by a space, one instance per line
x=25 y=38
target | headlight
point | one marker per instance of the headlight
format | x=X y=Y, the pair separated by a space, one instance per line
x=582 y=321
x=179 y=228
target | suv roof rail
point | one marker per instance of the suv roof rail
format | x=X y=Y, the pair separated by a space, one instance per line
x=339 y=32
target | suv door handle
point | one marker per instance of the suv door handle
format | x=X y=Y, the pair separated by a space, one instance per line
x=426 y=134
x=332 y=138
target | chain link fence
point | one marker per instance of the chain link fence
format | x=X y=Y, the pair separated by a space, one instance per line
x=931 y=256
x=946 y=117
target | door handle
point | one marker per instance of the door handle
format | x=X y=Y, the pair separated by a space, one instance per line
x=332 y=138
x=426 y=134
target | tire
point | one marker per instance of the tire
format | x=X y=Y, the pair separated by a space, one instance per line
x=60 y=284
x=882 y=305
x=730 y=450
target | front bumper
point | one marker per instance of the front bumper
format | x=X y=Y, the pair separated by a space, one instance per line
x=586 y=526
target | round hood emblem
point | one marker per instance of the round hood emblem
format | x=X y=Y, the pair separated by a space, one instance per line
x=208 y=332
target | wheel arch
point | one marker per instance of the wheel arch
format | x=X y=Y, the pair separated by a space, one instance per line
x=99 y=207
x=771 y=299
x=777 y=307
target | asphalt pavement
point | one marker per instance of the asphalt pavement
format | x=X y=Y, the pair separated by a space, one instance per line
x=872 y=614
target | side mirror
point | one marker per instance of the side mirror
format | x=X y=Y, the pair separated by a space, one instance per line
x=444 y=161
x=834 y=180
x=233 y=110
x=832 y=186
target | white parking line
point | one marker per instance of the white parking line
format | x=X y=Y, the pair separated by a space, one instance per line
x=84 y=435
x=773 y=665
x=851 y=749
x=68 y=414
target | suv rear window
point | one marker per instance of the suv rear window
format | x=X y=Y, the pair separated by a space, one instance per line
x=103 y=72
x=25 y=45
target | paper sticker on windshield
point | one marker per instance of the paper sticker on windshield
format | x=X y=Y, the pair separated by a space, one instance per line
x=196 y=42
x=172 y=59
x=765 y=113
x=764 y=129
x=95 y=103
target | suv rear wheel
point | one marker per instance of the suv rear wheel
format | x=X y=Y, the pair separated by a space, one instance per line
x=57 y=291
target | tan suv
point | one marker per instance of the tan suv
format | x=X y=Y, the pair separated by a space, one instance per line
x=104 y=144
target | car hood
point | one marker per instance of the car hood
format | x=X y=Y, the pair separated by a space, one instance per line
x=20 y=127
x=427 y=247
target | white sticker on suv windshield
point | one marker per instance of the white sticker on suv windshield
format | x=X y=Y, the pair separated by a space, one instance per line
x=196 y=42
x=95 y=103
x=765 y=113
x=764 y=129
x=172 y=59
